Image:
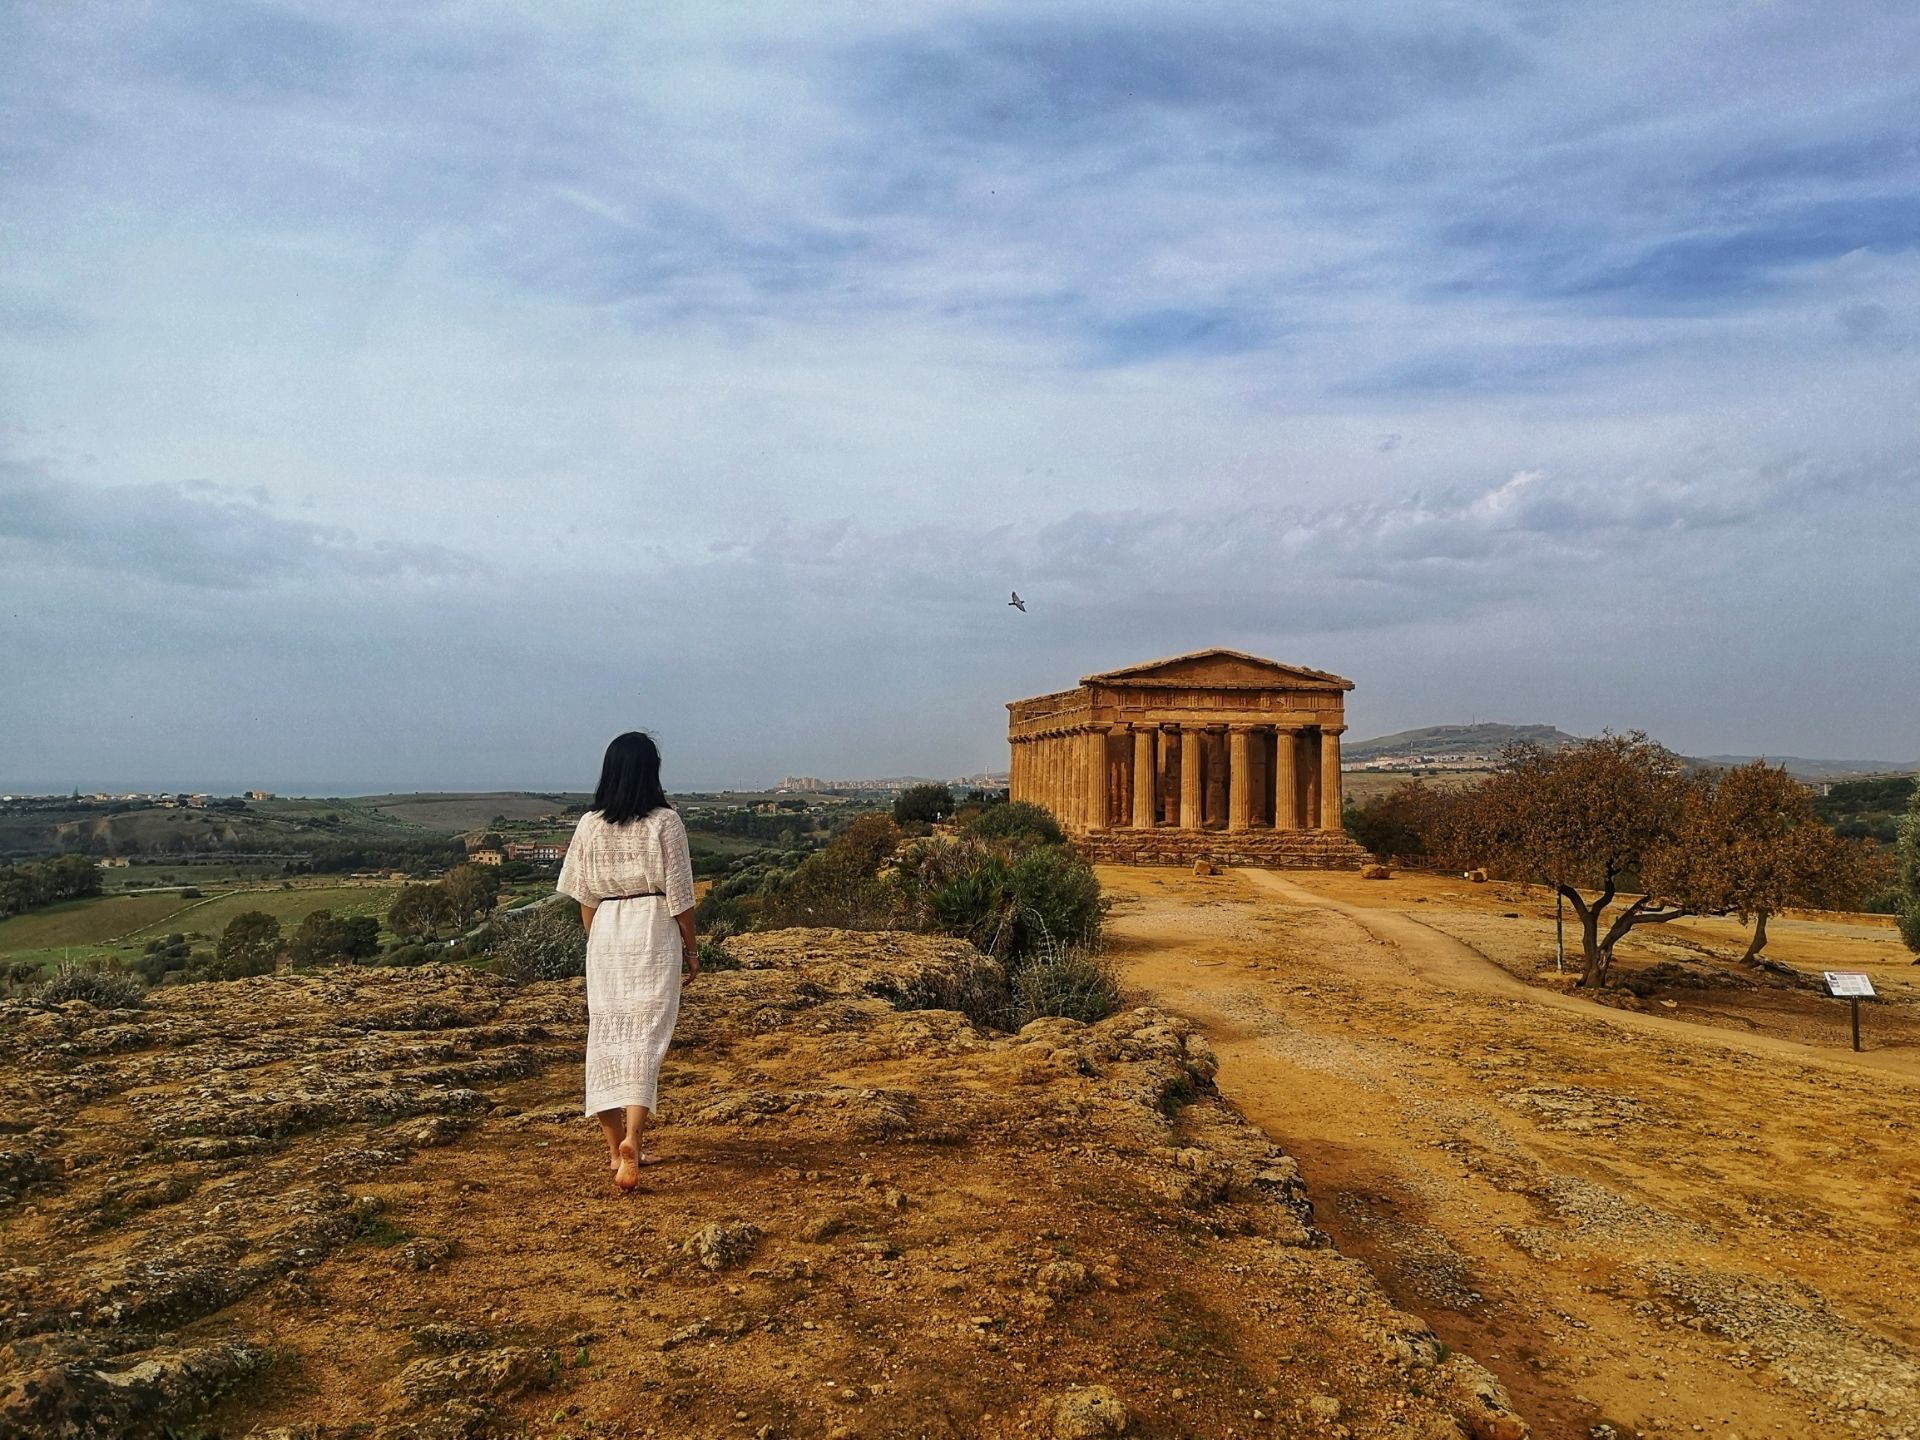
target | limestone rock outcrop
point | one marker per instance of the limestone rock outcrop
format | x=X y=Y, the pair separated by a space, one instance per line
x=309 y=1205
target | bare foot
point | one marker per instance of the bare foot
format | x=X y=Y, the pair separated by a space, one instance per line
x=627 y=1174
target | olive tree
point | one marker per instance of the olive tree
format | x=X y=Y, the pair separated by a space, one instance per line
x=418 y=912
x=1587 y=820
x=1749 y=845
x=248 y=946
x=471 y=891
x=923 y=804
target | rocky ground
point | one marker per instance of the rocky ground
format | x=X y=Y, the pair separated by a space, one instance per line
x=363 y=1203
x=1690 y=1210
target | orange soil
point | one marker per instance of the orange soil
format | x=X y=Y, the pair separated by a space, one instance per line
x=1666 y=1218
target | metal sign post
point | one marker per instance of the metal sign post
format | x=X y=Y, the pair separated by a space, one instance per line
x=1851 y=986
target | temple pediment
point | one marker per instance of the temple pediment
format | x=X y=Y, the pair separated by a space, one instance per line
x=1224 y=669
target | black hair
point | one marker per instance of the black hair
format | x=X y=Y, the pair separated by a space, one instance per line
x=630 y=779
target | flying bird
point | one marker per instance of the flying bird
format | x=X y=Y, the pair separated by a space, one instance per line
x=1017 y=603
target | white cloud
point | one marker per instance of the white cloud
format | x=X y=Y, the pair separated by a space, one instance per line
x=200 y=535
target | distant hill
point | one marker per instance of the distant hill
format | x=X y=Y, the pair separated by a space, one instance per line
x=456 y=811
x=1488 y=739
x=1485 y=738
x=284 y=827
x=1815 y=769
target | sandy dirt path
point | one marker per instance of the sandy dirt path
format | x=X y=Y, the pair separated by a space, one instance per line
x=1636 y=1221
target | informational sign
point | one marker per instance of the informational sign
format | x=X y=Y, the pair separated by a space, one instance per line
x=1848 y=984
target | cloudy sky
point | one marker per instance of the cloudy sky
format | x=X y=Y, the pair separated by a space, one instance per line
x=413 y=396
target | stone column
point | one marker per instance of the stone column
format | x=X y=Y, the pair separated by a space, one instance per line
x=1093 y=777
x=1286 y=782
x=1329 y=779
x=1189 y=778
x=1143 y=778
x=1063 y=776
x=1064 y=767
x=1119 y=774
x=1239 y=778
x=1213 y=806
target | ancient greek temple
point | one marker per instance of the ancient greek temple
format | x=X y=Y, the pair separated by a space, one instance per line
x=1214 y=755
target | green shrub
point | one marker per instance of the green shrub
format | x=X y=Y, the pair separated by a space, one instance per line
x=1062 y=979
x=544 y=943
x=1906 y=857
x=736 y=901
x=1057 y=897
x=1406 y=824
x=1004 y=904
x=839 y=886
x=1908 y=919
x=1021 y=822
x=965 y=890
x=867 y=844
x=249 y=944
x=101 y=988
x=736 y=912
x=712 y=952
x=322 y=939
x=168 y=960
x=234 y=967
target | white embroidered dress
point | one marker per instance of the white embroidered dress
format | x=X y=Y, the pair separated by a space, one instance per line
x=633 y=949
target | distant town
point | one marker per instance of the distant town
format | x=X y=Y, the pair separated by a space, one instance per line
x=813 y=785
x=136 y=798
x=1412 y=761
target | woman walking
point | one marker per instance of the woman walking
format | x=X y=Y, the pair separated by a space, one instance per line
x=628 y=867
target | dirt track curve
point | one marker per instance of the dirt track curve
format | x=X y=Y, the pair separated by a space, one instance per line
x=1664 y=1225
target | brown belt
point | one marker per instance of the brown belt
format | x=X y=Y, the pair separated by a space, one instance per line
x=643 y=895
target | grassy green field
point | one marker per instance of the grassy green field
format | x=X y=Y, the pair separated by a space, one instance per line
x=121 y=925
x=216 y=876
x=289 y=907
x=455 y=813
x=85 y=922
x=280 y=826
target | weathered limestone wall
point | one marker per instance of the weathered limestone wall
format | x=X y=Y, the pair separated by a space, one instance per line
x=1268 y=849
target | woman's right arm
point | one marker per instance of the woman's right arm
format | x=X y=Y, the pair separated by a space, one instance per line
x=573 y=881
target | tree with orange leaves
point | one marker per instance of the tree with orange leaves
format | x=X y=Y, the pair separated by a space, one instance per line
x=1749 y=844
x=1587 y=820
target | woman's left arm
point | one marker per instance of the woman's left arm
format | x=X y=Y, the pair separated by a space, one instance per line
x=689 y=944
x=677 y=883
